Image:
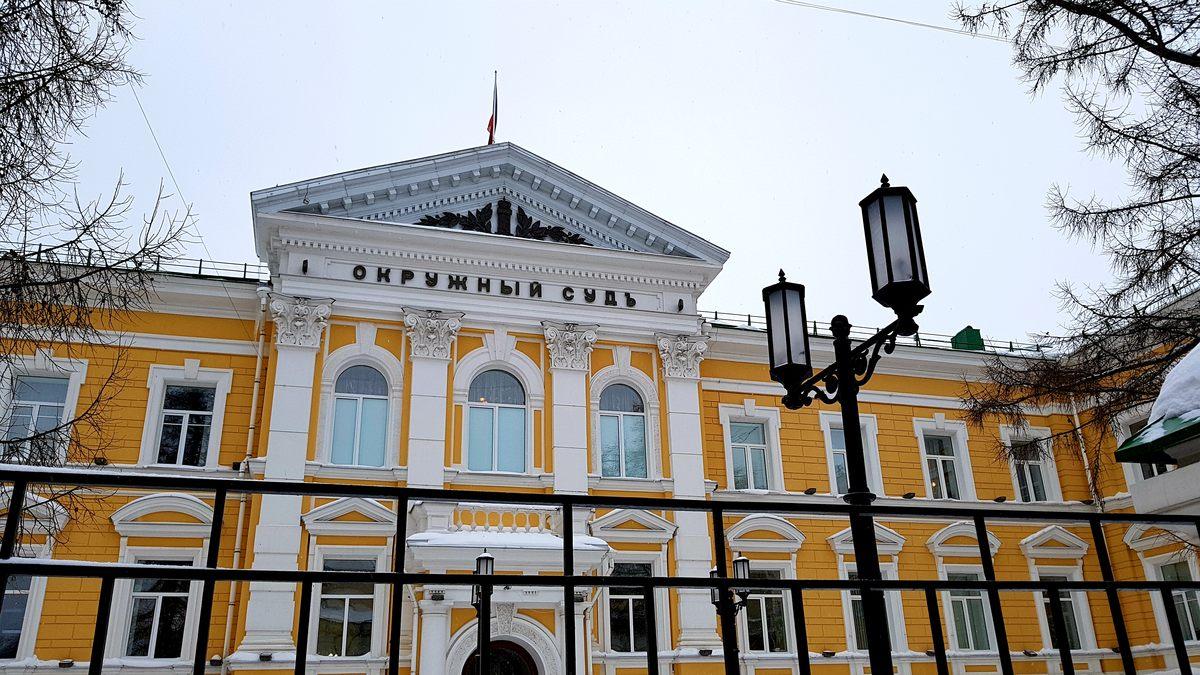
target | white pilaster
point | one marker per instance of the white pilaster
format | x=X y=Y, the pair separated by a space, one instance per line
x=299 y=323
x=435 y=637
x=431 y=335
x=570 y=348
x=681 y=356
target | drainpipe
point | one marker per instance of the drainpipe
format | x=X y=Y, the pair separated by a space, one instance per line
x=244 y=471
x=1097 y=503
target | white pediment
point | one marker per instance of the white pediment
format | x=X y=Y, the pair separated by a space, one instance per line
x=351 y=516
x=501 y=187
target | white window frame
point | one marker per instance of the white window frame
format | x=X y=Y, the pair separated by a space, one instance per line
x=188 y=375
x=318 y=554
x=896 y=624
x=363 y=352
x=1010 y=434
x=498 y=353
x=358 y=408
x=43 y=363
x=787 y=570
x=123 y=601
x=1151 y=565
x=620 y=415
x=623 y=372
x=956 y=431
x=34 y=599
x=752 y=413
x=829 y=422
x=662 y=607
x=1083 y=611
x=944 y=571
x=495 y=408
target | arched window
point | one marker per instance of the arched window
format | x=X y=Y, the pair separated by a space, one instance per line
x=622 y=432
x=496 y=423
x=360 y=406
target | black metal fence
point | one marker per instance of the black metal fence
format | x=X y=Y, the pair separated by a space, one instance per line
x=21 y=478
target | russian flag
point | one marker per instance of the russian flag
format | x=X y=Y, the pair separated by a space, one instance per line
x=491 y=125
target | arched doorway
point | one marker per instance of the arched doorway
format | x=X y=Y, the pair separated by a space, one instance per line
x=507 y=658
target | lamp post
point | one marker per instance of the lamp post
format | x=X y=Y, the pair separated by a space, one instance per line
x=728 y=609
x=481 y=599
x=896 y=259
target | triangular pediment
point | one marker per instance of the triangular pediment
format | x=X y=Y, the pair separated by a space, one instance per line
x=502 y=189
x=633 y=525
x=351 y=516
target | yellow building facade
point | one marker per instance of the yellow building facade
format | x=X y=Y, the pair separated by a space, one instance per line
x=485 y=320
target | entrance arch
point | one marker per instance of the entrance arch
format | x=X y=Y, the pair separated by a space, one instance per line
x=507 y=658
x=534 y=640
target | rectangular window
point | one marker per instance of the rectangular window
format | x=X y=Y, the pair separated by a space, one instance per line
x=766 y=622
x=968 y=609
x=1029 y=463
x=496 y=439
x=838 y=463
x=346 y=611
x=158 y=615
x=185 y=424
x=748 y=443
x=12 y=616
x=627 y=610
x=1186 y=602
x=35 y=418
x=623 y=446
x=1070 y=616
x=858 y=615
x=942 y=464
x=1148 y=470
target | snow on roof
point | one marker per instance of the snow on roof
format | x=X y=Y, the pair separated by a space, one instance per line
x=1180 y=392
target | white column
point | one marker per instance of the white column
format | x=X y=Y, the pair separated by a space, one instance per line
x=681 y=356
x=583 y=642
x=430 y=336
x=435 y=637
x=570 y=348
x=299 y=323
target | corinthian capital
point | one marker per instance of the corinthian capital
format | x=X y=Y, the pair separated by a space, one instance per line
x=681 y=354
x=570 y=344
x=299 y=322
x=431 y=332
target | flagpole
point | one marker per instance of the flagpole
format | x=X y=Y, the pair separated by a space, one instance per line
x=494 y=119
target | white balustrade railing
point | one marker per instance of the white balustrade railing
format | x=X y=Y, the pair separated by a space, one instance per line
x=475 y=517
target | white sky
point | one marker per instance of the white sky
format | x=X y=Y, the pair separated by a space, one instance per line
x=755 y=124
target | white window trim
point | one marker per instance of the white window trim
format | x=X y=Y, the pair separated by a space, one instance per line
x=499 y=353
x=190 y=375
x=832 y=420
x=317 y=556
x=1008 y=434
x=943 y=571
x=363 y=352
x=787 y=570
x=33 y=607
x=118 y=632
x=752 y=413
x=1151 y=564
x=43 y=363
x=938 y=425
x=622 y=372
x=1083 y=611
x=662 y=607
x=889 y=570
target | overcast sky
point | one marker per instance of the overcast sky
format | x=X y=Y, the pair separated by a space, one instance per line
x=755 y=124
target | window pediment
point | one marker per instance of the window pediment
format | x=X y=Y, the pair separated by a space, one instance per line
x=169 y=514
x=351 y=516
x=631 y=525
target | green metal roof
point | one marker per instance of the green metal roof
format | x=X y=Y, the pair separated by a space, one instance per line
x=1165 y=441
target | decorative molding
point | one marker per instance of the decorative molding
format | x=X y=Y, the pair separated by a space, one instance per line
x=431 y=332
x=1054 y=542
x=887 y=540
x=530 y=635
x=681 y=354
x=940 y=542
x=299 y=322
x=570 y=344
x=323 y=520
x=789 y=540
x=127 y=524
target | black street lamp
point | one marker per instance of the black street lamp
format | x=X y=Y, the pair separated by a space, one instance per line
x=728 y=608
x=481 y=600
x=899 y=281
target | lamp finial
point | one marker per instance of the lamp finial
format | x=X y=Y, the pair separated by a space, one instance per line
x=884 y=181
x=781 y=276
